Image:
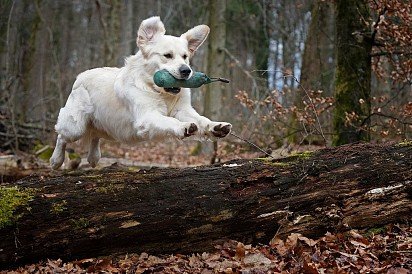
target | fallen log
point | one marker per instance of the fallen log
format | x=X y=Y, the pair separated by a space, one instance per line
x=121 y=209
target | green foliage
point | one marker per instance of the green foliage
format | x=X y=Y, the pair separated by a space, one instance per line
x=43 y=152
x=110 y=188
x=196 y=150
x=375 y=231
x=270 y=161
x=406 y=143
x=74 y=156
x=302 y=155
x=12 y=198
x=80 y=223
x=58 y=207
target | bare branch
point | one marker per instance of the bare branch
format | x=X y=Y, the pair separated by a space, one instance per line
x=388 y=53
x=375 y=26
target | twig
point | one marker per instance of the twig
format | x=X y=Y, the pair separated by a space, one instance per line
x=10 y=103
x=390 y=117
x=8 y=37
x=248 y=75
x=54 y=54
x=387 y=53
x=239 y=65
x=375 y=26
x=310 y=100
x=252 y=144
x=18 y=136
x=43 y=149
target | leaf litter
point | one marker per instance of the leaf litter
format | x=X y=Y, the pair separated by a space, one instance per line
x=389 y=251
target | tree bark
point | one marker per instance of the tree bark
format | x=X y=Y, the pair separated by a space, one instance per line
x=213 y=100
x=121 y=210
x=216 y=59
x=317 y=68
x=317 y=71
x=353 y=72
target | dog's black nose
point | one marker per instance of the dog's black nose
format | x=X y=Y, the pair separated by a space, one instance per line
x=185 y=71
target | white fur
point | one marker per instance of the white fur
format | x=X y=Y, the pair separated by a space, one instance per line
x=124 y=104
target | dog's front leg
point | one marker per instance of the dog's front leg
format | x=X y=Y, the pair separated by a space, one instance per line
x=207 y=127
x=154 y=125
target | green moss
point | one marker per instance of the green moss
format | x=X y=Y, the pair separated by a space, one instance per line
x=80 y=223
x=269 y=161
x=74 y=156
x=406 y=143
x=59 y=207
x=264 y=159
x=196 y=150
x=12 y=198
x=302 y=155
x=374 y=231
x=110 y=188
x=281 y=164
x=133 y=169
x=43 y=152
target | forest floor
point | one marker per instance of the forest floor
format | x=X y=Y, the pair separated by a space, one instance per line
x=378 y=250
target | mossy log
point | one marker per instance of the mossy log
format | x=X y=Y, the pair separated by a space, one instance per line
x=118 y=209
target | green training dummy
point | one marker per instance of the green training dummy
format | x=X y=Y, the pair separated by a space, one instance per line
x=164 y=79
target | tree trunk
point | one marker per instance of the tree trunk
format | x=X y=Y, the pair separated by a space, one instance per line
x=122 y=210
x=317 y=70
x=213 y=102
x=216 y=58
x=353 y=72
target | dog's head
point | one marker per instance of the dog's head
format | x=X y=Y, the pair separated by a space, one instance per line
x=169 y=52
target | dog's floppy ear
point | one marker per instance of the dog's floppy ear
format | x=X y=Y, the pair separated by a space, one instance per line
x=148 y=31
x=196 y=36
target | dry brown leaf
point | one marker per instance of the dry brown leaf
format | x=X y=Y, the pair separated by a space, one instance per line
x=256 y=259
x=280 y=246
x=398 y=270
x=307 y=241
x=292 y=240
x=310 y=268
x=358 y=244
x=240 y=251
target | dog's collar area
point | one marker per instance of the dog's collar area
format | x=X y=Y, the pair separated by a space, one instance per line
x=172 y=90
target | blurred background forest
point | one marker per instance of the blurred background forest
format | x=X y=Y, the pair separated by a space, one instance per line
x=301 y=71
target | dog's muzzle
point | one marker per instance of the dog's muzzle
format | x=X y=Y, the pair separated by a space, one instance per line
x=185 y=72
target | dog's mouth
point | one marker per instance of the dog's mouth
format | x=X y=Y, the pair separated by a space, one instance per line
x=172 y=90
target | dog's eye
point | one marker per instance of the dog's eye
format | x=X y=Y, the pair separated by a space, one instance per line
x=185 y=56
x=168 y=55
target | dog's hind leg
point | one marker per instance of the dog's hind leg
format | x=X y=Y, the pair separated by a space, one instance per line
x=71 y=123
x=94 y=152
x=57 y=158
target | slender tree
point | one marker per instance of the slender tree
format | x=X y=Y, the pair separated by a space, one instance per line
x=317 y=61
x=216 y=57
x=215 y=62
x=353 y=74
x=317 y=70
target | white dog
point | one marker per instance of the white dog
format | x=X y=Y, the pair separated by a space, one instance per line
x=124 y=104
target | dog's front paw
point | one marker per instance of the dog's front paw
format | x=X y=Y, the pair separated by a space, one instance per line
x=221 y=129
x=190 y=130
